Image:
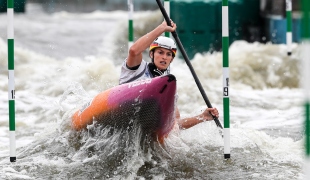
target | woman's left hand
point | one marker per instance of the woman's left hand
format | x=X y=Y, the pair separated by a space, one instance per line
x=207 y=114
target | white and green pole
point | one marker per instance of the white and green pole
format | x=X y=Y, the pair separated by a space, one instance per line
x=167 y=8
x=11 y=84
x=130 y=23
x=289 y=36
x=306 y=76
x=225 y=48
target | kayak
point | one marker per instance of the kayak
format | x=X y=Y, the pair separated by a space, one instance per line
x=146 y=104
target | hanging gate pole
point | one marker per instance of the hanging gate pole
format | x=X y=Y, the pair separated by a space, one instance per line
x=305 y=83
x=225 y=49
x=130 y=23
x=11 y=84
x=167 y=8
x=289 y=36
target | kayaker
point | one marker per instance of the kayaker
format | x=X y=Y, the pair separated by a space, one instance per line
x=162 y=51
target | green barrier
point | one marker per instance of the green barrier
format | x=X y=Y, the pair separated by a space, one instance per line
x=200 y=23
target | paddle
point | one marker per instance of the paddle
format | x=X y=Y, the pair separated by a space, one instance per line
x=175 y=35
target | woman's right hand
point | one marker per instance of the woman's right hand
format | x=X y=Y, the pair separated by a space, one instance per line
x=168 y=28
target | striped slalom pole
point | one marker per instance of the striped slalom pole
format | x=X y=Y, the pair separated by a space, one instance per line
x=289 y=36
x=11 y=84
x=167 y=8
x=130 y=23
x=225 y=47
x=305 y=5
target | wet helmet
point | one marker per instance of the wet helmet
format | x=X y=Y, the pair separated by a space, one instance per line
x=164 y=42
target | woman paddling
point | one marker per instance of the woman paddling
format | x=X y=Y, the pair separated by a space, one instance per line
x=162 y=51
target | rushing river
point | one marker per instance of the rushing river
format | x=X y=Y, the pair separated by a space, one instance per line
x=64 y=59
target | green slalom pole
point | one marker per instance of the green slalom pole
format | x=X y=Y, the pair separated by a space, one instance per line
x=289 y=36
x=305 y=5
x=225 y=49
x=130 y=23
x=167 y=8
x=11 y=84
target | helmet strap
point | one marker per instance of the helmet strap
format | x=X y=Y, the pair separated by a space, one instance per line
x=152 y=57
x=155 y=71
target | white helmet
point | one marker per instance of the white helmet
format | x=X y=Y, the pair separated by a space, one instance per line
x=164 y=42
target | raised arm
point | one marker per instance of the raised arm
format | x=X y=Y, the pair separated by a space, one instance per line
x=135 y=52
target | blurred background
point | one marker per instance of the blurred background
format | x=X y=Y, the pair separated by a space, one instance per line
x=250 y=20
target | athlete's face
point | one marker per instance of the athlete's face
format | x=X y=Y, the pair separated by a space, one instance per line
x=162 y=58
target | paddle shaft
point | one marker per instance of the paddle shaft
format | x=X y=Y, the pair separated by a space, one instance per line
x=175 y=35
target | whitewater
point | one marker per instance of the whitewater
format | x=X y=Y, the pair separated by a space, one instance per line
x=63 y=60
